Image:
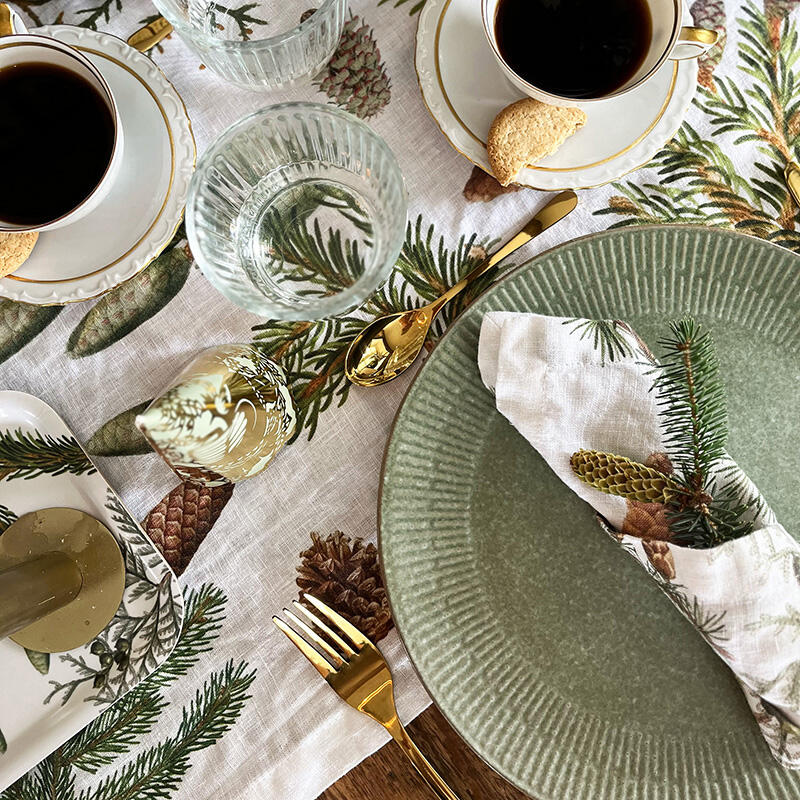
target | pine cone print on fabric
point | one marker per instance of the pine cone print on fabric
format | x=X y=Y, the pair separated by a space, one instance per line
x=661 y=558
x=20 y=323
x=483 y=187
x=120 y=436
x=180 y=522
x=355 y=78
x=345 y=574
x=710 y=14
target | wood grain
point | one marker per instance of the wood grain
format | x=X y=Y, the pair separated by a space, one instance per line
x=388 y=775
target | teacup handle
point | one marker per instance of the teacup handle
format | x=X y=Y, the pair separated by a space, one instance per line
x=693 y=42
x=10 y=22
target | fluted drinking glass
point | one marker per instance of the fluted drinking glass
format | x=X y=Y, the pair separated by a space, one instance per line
x=297 y=212
x=267 y=46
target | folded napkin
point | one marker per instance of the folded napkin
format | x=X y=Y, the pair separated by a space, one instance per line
x=562 y=392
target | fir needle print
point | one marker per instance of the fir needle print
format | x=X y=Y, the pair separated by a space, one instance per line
x=29 y=454
x=7 y=516
x=114 y=740
x=758 y=105
x=312 y=353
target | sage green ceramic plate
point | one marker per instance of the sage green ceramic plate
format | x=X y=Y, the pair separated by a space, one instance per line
x=547 y=648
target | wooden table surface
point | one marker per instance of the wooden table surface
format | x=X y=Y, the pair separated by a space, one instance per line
x=388 y=775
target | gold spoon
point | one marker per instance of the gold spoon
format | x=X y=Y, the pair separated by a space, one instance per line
x=388 y=346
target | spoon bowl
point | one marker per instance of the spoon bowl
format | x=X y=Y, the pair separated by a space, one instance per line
x=389 y=345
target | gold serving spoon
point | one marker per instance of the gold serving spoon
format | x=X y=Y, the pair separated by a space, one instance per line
x=388 y=346
x=792 y=176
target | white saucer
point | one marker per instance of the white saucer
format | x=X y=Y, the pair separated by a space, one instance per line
x=464 y=89
x=145 y=206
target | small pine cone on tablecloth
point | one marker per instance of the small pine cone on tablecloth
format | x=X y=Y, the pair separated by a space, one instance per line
x=661 y=558
x=345 y=574
x=180 y=522
x=622 y=477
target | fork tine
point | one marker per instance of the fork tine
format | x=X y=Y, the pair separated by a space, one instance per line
x=321 y=665
x=333 y=656
x=332 y=635
x=353 y=633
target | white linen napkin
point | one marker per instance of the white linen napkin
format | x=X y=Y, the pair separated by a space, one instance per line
x=563 y=395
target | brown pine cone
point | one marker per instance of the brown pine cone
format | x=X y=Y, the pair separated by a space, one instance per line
x=661 y=558
x=180 y=522
x=483 y=187
x=646 y=521
x=661 y=462
x=345 y=574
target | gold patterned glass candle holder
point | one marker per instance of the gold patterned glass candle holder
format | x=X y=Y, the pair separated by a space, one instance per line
x=224 y=418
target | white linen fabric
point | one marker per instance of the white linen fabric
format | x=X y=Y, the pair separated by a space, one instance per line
x=557 y=390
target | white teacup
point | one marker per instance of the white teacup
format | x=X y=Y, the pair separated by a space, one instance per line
x=17 y=46
x=668 y=40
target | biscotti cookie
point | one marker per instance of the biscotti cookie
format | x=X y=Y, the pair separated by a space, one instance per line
x=15 y=249
x=527 y=131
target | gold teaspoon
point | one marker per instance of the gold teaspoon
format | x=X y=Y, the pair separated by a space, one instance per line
x=388 y=346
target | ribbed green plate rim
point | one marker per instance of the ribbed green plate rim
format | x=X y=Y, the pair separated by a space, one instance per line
x=543 y=644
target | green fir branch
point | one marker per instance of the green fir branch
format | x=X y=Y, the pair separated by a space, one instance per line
x=95 y=14
x=116 y=731
x=240 y=15
x=606 y=336
x=415 y=7
x=30 y=454
x=204 y=615
x=705 y=510
x=157 y=772
x=312 y=353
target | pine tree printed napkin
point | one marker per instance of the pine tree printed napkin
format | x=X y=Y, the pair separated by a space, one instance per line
x=564 y=395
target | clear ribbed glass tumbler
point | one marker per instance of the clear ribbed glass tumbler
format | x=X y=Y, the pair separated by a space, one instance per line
x=297 y=211
x=267 y=45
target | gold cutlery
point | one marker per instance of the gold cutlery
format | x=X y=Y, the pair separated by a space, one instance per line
x=150 y=35
x=358 y=673
x=388 y=346
x=792 y=176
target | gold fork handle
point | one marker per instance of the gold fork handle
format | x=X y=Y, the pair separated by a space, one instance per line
x=422 y=765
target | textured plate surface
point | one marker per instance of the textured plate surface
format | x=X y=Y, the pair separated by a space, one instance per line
x=46 y=699
x=464 y=89
x=145 y=205
x=547 y=648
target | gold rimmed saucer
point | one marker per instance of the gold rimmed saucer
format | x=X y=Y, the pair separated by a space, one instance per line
x=464 y=89
x=145 y=205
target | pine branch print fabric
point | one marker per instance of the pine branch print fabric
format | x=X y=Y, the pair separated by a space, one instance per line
x=99 y=362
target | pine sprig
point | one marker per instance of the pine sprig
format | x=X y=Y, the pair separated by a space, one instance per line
x=30 y=454
x=240 y=15
x=697 y=181
x=312 y=353
x=705 y=510
x=205 y=612
x=606 y=336
x=157 y=772
x=116 y=731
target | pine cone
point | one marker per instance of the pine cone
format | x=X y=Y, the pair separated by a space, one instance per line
x=661 y=462
x=620 y=476
x=483 y=187
x=661 y=558
x=646 y=521
x=344 y=573
x=355 y=78
x=710 y=14
x=180 y=522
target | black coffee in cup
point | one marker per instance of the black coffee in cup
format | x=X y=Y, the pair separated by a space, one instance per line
x=574 y=48
x=56 y=142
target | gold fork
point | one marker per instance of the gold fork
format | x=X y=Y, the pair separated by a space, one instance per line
x=358 y=673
